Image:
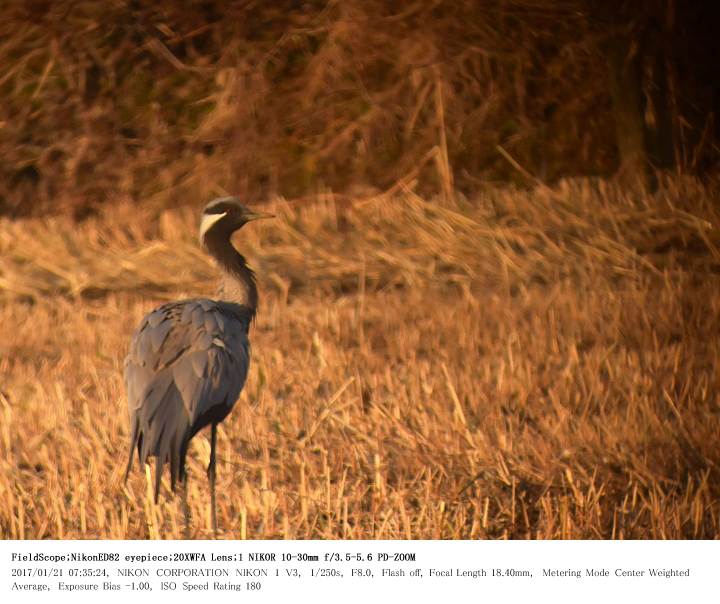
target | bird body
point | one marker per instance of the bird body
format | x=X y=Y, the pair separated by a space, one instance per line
x=187 y=364
x=188 y=360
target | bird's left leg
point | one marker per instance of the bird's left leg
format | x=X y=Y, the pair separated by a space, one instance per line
x=185 y=507
x=211 y=478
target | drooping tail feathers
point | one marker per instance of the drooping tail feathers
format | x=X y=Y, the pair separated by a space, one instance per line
x=161 y=429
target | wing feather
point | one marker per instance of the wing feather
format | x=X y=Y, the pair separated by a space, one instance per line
x=187 y=364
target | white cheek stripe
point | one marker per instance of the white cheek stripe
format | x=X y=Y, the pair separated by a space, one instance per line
x=207 y=221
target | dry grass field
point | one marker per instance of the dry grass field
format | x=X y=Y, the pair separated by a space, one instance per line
x=537 y=364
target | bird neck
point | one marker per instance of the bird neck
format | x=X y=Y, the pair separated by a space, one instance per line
x=237 y=284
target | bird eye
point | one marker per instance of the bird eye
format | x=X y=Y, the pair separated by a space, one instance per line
x=220 y=208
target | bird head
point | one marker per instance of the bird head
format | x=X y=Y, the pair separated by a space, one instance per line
x=226 y=215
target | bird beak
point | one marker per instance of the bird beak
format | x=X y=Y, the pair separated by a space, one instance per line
x=257 y=216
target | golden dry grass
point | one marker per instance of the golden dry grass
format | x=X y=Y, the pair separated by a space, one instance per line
x=526 y=365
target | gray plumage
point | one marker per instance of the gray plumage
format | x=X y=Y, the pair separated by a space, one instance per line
x=187 y=363
x=188 y=360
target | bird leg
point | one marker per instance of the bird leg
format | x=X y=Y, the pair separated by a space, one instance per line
x=185 y=508
x=211 y=478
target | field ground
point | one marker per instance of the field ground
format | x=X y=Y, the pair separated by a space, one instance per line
x=526 y=365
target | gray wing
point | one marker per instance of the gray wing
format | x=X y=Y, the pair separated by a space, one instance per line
x=187 y=364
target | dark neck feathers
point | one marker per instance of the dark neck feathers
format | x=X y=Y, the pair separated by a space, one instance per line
x=237 y=284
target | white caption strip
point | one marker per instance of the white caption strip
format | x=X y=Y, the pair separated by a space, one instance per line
x=353 y=571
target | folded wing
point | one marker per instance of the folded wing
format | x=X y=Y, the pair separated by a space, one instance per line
x=187 y=364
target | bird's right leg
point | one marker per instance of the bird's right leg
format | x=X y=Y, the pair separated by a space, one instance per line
x=211 y=478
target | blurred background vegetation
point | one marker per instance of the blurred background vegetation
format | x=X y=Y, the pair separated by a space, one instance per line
x=489 y=347
x=174 y=102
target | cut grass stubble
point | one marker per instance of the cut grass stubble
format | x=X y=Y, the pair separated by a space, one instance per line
x=529 y=365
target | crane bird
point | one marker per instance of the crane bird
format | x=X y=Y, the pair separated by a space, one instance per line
x=188 y=360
